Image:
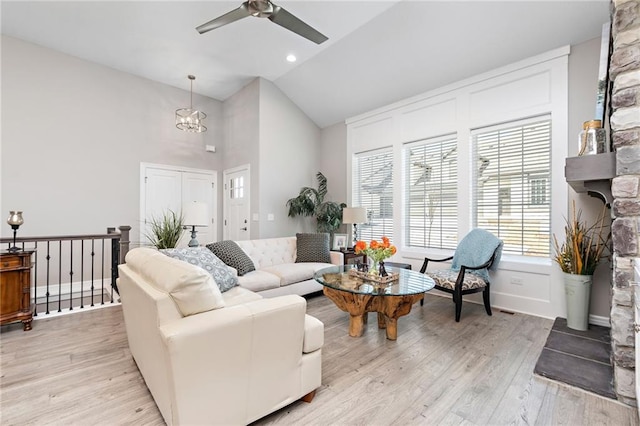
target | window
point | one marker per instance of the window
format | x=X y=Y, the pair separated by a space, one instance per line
x=373 y=190
x=431 y=191
x=538 y=191
x=511 y=183
x=236 y=188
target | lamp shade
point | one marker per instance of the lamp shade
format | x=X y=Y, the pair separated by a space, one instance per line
x=196 y=214
x=354 y=215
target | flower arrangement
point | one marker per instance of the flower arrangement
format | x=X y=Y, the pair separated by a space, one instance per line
x=582 y=247
x=375 y=250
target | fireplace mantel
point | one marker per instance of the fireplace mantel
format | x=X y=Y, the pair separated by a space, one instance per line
x=592 y=174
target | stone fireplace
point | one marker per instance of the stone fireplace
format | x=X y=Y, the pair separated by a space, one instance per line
x=624 y=73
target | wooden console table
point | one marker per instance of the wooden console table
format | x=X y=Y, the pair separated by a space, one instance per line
x=15 y=288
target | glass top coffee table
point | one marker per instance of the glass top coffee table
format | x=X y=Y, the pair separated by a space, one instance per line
x=358 y=296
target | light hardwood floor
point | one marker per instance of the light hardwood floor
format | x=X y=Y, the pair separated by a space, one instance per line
x=77 y=370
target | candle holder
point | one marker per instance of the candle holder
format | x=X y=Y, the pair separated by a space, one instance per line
x=15 y=220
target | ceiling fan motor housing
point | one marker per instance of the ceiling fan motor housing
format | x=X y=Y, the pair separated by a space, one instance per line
x=260 y=8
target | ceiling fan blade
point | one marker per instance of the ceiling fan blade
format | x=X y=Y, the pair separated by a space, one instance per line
x=227 y=18
x=290 y=22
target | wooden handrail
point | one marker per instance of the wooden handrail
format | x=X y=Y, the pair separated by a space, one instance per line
x=61 y=238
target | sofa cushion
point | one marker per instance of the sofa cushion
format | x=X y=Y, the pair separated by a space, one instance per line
x=229 y=252
x=239 y=295
x=259 y=280
x=192 y=288
x=313 y=248
x=290 y=273
x=269 y=251
x=205 y=259
x=313 y=334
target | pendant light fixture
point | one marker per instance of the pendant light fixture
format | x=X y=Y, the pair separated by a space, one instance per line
x=189 y=119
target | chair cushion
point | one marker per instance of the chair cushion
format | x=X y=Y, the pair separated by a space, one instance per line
x=447 y=278
x=192 y=289
x=313 y=248
x=205 y=259
x=231 y=254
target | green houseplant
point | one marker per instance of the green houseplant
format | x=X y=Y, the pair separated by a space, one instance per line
x=165 y=230
x=578 y=256
x=310 y=202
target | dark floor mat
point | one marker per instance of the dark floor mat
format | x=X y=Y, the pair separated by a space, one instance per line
x=578 y=358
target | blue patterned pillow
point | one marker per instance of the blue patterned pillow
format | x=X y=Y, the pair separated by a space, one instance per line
x=202 y=257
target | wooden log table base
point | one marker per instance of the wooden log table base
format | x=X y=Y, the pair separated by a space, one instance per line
x=388 y=307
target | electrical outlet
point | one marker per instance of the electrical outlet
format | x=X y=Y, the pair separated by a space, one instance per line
x=516 y=281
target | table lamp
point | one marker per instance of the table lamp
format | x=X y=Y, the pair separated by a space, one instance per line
x=15 y=220
x=195 y=214
x=355 y=216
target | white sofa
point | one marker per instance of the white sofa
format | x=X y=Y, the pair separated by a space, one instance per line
x=277 y=272
x=215 y=358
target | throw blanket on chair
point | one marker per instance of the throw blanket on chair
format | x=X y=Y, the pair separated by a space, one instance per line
x=476 y=249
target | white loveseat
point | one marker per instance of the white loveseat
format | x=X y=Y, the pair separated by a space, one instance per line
x=277 y=272
x=215 y=358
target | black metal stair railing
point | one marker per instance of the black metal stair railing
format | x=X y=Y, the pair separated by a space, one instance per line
x=86 y=267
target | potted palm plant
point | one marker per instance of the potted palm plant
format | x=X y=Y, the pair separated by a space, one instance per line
x=165 y=230
x=310 y=202
x=578 y=256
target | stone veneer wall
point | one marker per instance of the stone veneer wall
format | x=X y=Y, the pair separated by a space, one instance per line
x=624 y=72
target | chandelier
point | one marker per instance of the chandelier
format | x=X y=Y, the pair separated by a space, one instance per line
x=189 y=119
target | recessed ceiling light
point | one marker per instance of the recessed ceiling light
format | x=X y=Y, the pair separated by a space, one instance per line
x=291 y=58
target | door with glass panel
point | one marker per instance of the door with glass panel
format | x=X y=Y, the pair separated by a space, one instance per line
x=236 y=226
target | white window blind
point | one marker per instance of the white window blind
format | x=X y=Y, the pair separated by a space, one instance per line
x=512 y=184
x=373 y=189
x=431 y=189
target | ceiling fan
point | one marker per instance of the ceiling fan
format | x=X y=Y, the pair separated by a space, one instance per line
x=265 y=9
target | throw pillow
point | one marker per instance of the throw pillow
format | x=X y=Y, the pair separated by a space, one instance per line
x=231 y=254
x=312 y=248
x=200 y=256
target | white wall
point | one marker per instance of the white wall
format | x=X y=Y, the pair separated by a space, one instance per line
x=241 y=114
x=333 y=164
x=583 y=82
x=74 y=134
x=289 y=148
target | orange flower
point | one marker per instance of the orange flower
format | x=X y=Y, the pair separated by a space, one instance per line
x=385 y=242
x=360 y=246
x=393 y=250
x=374 y=244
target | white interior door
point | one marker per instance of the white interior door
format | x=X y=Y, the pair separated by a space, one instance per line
x=162 y=192
x=169 y=188
x=200 y=187
x=237 y=225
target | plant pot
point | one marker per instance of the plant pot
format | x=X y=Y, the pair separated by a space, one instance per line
x=577 y=289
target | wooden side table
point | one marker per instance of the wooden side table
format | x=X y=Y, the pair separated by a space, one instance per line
x=15 y=288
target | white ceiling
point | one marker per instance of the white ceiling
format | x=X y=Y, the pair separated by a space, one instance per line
x=378 y=52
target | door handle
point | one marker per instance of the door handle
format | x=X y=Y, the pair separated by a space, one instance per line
x=243 y=229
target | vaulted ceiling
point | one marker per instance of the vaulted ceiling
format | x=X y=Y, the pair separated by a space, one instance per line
x=378 y=52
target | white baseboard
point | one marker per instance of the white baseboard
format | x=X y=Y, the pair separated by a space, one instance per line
x=508 y=303
x=65 y=288
x=599 y=320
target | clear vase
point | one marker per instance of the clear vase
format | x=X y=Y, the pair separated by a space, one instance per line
x=374 y=266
